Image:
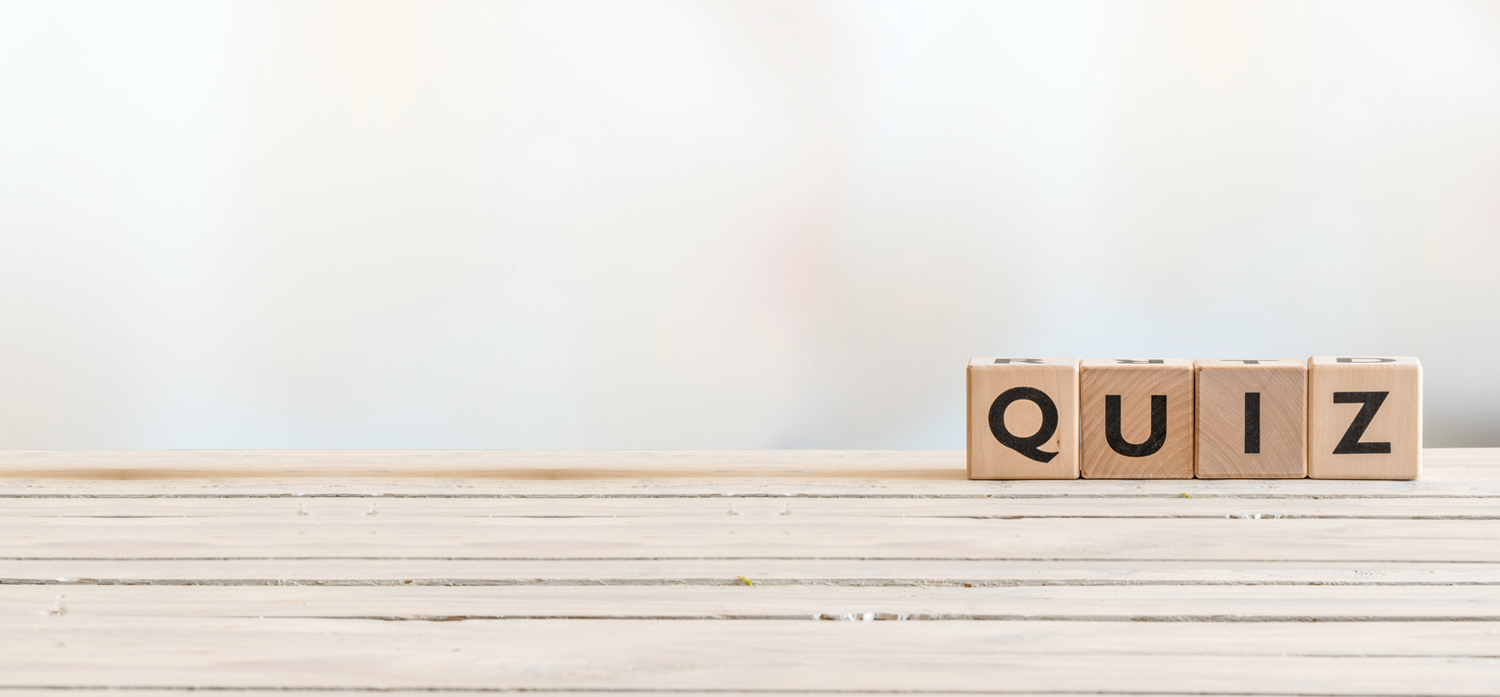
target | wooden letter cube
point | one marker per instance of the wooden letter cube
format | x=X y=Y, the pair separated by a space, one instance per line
x=1252 y=418
x=1023 y=418
x=1364 y=417
x=1137 y=418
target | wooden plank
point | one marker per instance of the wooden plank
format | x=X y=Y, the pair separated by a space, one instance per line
x=1454 y=658
x=137 y=691
x=437 y=508
x=1450 y=473
x=1448 y=483
x=1209 y=540
x=519 y=465
x=183 y=571
x=821 y=571
x=631 y=468
x=1453 y=486
x=1227 y=603
x=634 y=692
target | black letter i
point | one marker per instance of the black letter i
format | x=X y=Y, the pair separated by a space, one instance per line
x=1252 y=422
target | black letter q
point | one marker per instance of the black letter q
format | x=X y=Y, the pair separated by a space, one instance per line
x=1025 y=446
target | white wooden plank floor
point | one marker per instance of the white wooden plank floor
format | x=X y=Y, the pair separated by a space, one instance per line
x=255 y=572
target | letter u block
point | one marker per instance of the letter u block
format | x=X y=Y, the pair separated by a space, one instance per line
x=1137 y=418
x=1364 y=417
x=1023 y=418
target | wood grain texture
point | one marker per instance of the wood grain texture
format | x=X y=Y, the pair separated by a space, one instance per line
x=1135 y=383
x=1276 y=447
x=1396 y=424
x=1395 y=658
x=436 y=508
x=1124 y=541
x=1306 y=602
x=989 y=378
x=740 y=573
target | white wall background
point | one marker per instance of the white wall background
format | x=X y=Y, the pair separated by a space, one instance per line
x=707 y=224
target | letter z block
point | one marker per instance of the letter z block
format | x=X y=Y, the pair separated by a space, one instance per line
x=1137 y=418
x=1023 y=418
x=1252 y=419
x=1364 y=417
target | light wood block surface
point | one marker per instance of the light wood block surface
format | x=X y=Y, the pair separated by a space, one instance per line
x=1137 y=418
x=1023 y=418
x=787 y=572
x=1364 y=417
x=1252 y=418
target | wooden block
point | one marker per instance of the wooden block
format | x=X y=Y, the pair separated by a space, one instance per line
x=1252 y=419
x=1137 y=418
x=1023 y=418
x=1364 y=417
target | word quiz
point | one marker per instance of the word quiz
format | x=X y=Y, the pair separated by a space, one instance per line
x=1331 y=417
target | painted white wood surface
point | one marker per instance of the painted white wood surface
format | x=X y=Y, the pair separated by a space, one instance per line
x=781 y=572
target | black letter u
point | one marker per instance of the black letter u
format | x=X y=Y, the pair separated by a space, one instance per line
x=1158 y=427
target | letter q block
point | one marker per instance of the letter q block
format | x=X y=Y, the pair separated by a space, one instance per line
x=1364 y=417
x=1023 y=418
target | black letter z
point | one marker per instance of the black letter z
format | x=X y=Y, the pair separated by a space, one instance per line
x=1349 y=444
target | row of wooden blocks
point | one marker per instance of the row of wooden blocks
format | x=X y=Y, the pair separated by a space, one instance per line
x=1332 y=417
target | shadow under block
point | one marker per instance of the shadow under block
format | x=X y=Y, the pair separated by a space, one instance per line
x=1137 y=418
x=1252 y=419
x=1364 y=417
x=1023 y=418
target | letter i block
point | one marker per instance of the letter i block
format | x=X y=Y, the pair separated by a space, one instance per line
x=1137 y=418
x=1023 y=418
x=1252 y=419
x=1364 y=417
